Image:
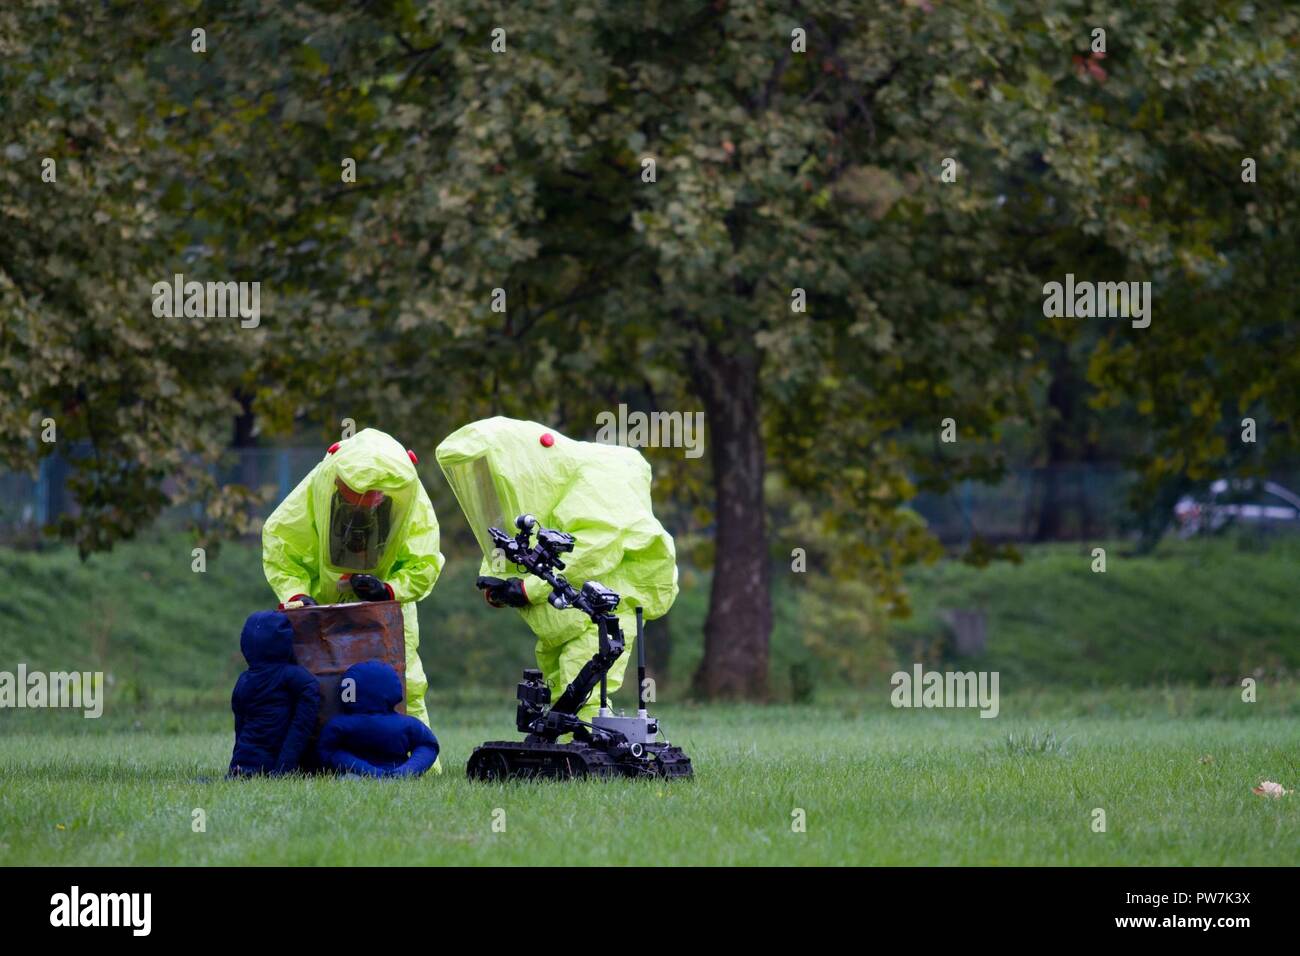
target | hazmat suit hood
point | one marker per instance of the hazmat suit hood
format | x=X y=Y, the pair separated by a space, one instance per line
x=362 y=496
x=267 y=639
x=378 y=688
x=500 y=468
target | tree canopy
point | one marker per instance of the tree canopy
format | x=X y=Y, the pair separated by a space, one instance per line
x=827 y=225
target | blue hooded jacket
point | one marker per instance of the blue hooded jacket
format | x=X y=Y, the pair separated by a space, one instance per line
x=370 y=738
x=275 y=701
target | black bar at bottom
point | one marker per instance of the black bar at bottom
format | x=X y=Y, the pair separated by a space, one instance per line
x=343 y=906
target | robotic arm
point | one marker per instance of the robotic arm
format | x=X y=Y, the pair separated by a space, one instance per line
x=595 y=600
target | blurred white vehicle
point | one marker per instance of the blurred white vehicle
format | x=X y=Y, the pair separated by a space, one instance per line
x=1261 y=504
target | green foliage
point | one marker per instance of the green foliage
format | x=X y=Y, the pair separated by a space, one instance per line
x=1131 y=168
x=523 y=171
x=149 y=399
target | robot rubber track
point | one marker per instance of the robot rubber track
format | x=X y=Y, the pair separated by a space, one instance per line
x=525 y=760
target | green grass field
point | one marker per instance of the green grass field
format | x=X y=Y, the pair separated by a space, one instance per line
x=1172 y=769
x=1119 y=692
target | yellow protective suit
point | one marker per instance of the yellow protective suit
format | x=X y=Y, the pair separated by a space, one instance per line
x=500 y=468
x=297 y=547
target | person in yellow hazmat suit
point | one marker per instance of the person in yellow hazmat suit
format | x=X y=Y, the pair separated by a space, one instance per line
x=360 y=526
x=500 y=468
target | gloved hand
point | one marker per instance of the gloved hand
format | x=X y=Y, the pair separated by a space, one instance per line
x=369 y=588
x=500 y=592
x=305 y=599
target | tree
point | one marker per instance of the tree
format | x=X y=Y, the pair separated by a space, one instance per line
x=141 y=405
x=826 y=224
x=1222 y=182
x=652 y=192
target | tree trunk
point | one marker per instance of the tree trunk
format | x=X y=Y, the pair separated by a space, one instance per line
x=1062 y=422
x=243 y=438
x=659 y=649
x=739 y=624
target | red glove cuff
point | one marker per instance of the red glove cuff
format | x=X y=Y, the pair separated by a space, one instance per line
x=392 y=596
x=291 y=600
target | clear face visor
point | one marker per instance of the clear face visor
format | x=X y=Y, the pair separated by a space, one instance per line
x=478 y=498
x=361 y=524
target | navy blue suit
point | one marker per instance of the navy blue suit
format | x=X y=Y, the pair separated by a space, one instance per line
x=275 y=701
x=370 y=738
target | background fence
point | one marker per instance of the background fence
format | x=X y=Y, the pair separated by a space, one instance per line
x=1062 y=502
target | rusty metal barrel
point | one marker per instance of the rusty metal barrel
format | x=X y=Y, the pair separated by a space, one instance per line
x=330 y=638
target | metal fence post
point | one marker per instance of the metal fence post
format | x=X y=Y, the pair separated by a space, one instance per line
x=282 y=473
x=43 y=516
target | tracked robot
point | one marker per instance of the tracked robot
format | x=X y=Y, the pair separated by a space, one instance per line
x=608 y=745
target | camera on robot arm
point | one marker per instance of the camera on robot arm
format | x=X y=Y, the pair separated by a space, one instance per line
x=544 y=560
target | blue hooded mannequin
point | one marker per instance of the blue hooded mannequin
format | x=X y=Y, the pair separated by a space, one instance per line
x=275 y=701
x=371 y=739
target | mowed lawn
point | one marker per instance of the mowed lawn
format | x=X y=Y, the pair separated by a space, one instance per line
x=1172 y=769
